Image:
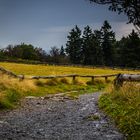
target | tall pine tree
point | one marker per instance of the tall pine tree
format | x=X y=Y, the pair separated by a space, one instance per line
x=99 y=50
x=88 y=46
x=74 y=45
x=130 y=50
x=108 y=40
x=91 y=47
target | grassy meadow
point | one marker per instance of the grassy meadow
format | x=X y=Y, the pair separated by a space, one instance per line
x=41 y=70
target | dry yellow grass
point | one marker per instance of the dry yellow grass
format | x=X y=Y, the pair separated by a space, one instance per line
x=14 y=83
x=29 y=70
x=12 y=90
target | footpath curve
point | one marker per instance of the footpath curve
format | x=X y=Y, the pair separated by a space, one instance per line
x=58 y=119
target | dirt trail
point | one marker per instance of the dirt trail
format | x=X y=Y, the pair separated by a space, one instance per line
x=58 y=119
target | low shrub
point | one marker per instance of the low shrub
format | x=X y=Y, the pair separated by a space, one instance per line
x=78 y=82
x=98 y=83
x=9 y=98
x=2 y=87
x=90 y=82
x=39 y=83
x=52 y=82
x=64 y=80
x=13 y=95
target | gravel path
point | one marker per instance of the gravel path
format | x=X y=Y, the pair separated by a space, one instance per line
x=58 y=119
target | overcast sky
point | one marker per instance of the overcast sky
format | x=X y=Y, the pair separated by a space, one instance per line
x=46 y=23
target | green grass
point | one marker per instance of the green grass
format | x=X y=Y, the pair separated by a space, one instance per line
x=123 y=106
x=55 y=86
x=11 y=99
x=93 y=117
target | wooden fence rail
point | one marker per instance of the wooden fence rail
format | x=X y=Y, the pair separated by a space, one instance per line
x=11 y=74
x=118 y=82
x=74 y=76
x=121 y=78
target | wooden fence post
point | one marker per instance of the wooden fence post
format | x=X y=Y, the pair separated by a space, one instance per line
x=92 y=79
x=118 y=82
x=74 y=78
x=21 y=77
x=106 y=79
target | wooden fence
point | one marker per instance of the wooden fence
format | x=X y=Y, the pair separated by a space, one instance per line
x=11 y=74
x=76 y=75
x=73 y=76
x=118 y=82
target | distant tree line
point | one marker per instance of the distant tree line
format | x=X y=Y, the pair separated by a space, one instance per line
x=87 y=47
x=23 y=51
x=28 y=52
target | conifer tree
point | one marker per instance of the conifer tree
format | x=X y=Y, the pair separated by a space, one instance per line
x=108 y=40
x=90 y=45
x=62 y=51
x=74 y=45
x=130 y=50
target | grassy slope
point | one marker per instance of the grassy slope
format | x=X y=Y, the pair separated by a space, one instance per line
x=123 y=106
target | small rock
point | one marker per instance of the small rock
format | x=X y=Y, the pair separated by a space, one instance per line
x=10 y=139
x=3 y=122
x=42 y=98
x=30 y=97
x=38 y=103
x=97 y=124
x=48 y=97
x=67 y=98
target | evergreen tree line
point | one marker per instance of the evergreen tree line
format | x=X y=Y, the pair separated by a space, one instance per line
x=98 y=47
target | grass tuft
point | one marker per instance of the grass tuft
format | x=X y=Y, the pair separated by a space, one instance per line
x=64 y=81
x=39 y=83
x=52 y=82
x=90 y=82
x=78 y=82
x=11 y=91
x=93 y=117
